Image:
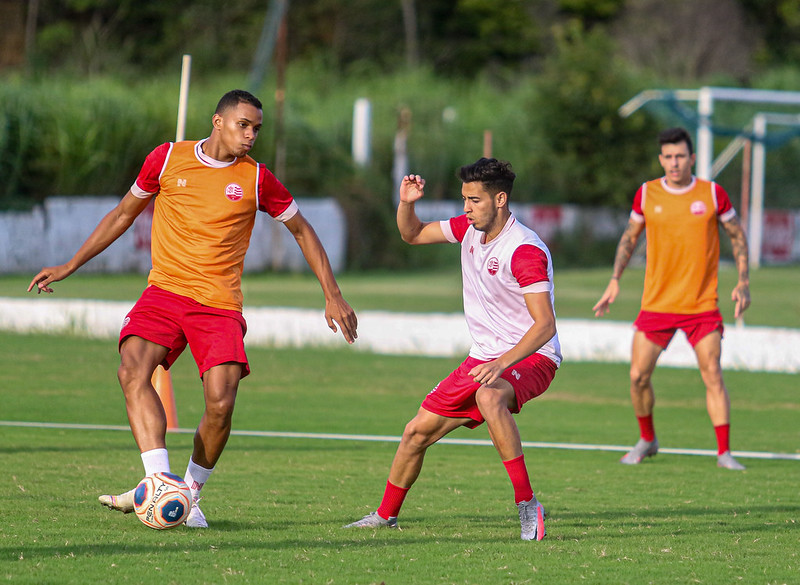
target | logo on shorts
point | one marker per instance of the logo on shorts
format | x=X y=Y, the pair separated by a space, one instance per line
x=125 y=321
x=698 y=208
x=516 y=374
x=234 y=192
x=493 y=266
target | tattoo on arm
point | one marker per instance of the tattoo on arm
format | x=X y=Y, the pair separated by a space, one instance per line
x=739 y=244
x=625 y=248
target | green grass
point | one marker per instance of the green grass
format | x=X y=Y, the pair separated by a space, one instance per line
x=276 y=506
x=774 y=291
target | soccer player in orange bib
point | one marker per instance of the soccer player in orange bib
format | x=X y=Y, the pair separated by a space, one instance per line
x=680 y=214
x=207 y=193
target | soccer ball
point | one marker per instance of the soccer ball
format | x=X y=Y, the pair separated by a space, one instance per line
x=162 y=500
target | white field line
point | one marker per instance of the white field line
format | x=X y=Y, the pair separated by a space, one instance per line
x=395 y=439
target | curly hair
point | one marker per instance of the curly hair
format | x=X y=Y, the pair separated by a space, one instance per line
x=495 y=175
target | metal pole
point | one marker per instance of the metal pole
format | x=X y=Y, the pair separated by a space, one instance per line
x=362 y=121
x=747 y=160
x=757 y=190
x=705 y=136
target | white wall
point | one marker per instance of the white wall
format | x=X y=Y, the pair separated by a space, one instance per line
x=51 y=234
x=427 y=334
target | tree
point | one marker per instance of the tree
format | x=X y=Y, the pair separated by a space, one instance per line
x=592 y=155
x=687 y=40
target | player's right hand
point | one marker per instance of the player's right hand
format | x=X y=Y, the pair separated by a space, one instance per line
x=47 y=276
x=412 y=188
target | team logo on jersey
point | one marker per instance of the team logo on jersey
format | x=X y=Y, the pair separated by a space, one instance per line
x=234 y=192
x=493 y=266
x=698 y=208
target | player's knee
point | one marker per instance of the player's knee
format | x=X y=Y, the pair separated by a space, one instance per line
x=639 y=379
x=415 y=436
x=712 y=375
x=131 y=375
x=220 y=408
x=489 y=399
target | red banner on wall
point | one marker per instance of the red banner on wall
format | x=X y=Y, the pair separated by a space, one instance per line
x=778 y=236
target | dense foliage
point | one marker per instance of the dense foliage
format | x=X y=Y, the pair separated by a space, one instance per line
x=99 y=89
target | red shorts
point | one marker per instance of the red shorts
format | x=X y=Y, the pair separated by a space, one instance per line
x=660 y=327
x=215 y=336
x=454 y=397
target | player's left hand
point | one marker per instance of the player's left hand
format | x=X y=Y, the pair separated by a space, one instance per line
x=741 y=297
x=337 y=310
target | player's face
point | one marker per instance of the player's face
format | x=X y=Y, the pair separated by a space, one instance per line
x=480 y=207
x=677 y=164
x=238 y=129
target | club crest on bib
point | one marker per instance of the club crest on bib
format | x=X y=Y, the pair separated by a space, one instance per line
x=234 y=192
x=493 y=265
x=698 y=208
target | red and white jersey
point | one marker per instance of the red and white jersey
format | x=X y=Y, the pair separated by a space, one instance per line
x=496 y=276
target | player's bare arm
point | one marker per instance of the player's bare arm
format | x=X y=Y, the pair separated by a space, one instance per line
x=412 y=229
x=111 y=227
x=337 y=310
x=741 y=292
x=625 y=248
x=542 y=330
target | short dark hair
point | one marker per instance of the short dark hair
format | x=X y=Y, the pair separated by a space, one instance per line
x=235 y=97
x=675 y=136
x=495 y=175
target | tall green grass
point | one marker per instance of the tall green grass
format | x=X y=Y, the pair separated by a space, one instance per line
x=276 y=506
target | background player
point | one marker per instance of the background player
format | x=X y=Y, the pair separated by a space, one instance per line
x=206 y=194
x=681 y=214
x=508 y=303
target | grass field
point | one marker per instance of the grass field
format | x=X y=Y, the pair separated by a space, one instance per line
x=276 y=505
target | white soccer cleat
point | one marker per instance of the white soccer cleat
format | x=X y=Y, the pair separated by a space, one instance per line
x=122 y=503
x=531 y=520
x=196 y=518
x=727 y=461
x=372 y=520
x=641 y=450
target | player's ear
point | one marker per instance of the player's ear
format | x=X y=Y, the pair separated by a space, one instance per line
x=501 y=199
x=216 y=121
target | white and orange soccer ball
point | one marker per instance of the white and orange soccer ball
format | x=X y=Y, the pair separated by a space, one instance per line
x=162 y=500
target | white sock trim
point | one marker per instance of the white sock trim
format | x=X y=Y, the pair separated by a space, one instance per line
x=155 y=460
x=196 y=477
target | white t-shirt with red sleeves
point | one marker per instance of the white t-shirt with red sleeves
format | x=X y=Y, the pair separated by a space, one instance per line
x=496 y=276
